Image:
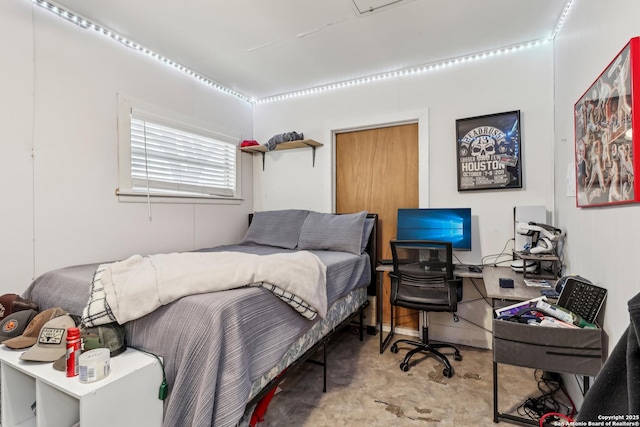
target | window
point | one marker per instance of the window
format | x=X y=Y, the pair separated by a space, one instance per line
x=163 y=158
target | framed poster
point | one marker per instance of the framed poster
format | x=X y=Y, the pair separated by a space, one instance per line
x=604 y=134
x=489 y=152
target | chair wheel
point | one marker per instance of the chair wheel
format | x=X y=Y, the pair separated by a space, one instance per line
x=457 y=357
x=447 y=372
x=393 y=348
x=404 y=367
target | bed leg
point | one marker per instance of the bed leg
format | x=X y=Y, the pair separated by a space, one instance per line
x=361 y=325
x=324 y=367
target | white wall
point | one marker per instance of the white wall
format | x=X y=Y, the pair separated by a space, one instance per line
x=58 y=87
x=600 y=241
x=16 y=143
x=544 y=84
x=520 y=81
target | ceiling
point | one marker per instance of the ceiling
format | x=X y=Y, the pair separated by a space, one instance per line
x=271 y=47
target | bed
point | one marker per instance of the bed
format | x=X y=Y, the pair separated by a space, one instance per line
x=223 y=350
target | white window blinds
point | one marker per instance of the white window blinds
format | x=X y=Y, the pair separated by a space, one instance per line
x=169 y=160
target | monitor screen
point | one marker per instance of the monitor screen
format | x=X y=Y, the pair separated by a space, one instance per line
x=440 y=224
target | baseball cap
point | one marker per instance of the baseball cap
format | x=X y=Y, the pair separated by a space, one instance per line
x=111 y=336
x=249 y=143
x=31 y=332
x=14 y=324
x=52 y=340
x=11 y=303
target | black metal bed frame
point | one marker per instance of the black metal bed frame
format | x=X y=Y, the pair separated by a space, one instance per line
x=372 y=250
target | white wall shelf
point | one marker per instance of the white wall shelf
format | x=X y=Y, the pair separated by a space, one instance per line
x=127 y=396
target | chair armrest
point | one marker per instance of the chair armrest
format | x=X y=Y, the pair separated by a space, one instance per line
x=455 y=293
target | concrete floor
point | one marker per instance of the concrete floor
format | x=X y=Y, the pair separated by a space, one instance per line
x=366 y=388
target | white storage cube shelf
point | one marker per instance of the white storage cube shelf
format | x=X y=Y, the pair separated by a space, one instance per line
x=128 y=396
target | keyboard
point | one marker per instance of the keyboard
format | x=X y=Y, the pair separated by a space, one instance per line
x=385 y=261
x=582 y=298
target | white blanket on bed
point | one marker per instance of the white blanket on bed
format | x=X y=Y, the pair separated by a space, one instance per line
x=140 y=284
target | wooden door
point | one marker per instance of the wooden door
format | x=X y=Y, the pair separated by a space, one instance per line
x=377 y=171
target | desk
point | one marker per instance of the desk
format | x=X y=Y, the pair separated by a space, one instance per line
x=520 y=292
x=549 y=360
x=381 y=270
x=459 y=272
x=491 y=277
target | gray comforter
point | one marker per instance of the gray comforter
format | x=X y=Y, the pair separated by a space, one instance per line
x=215 y=344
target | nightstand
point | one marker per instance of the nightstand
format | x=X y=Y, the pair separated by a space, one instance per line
x=35 y=394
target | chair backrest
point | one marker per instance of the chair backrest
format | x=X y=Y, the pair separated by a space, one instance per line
x=423 y=275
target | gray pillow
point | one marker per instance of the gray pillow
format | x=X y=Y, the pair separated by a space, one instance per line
x=366 y=232
x=276 y=228
x=323 y=231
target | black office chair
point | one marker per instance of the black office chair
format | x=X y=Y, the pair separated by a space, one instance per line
x=422 y=279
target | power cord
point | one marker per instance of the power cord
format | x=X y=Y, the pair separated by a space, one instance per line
x=164 y=386
x=458 y=259
x=536 y=407
x=497 y=256
x=573 y=405
x=473 y=323
x=475 y=285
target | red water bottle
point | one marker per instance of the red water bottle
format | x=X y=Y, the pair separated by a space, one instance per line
x=73 y=351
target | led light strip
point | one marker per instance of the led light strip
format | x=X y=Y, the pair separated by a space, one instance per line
x=85 y=23
x=563 y=17
x=406 y=71
x=423 y=68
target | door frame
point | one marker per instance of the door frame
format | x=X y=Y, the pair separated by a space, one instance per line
x=388 y=120
x=421 y=117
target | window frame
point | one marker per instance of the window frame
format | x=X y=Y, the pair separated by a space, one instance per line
x=126 y=191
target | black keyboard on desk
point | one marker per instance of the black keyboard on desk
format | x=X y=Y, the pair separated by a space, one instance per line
x=385 y=261
x=582 y=298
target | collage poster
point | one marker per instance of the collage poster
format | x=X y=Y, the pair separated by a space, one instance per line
x=603 y=144
x=488 y=152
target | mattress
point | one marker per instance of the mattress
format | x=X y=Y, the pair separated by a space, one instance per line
x=219 y=348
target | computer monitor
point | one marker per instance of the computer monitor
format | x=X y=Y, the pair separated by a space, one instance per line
x=440 y=224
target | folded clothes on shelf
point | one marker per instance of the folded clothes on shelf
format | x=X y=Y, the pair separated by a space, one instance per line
x=283 y=137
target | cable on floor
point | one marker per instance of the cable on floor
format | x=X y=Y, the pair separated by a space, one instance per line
x=537 y=407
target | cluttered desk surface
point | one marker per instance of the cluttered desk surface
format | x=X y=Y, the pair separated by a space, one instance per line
x=520 y=291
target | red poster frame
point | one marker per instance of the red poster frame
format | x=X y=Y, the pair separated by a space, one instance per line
x=605 y=134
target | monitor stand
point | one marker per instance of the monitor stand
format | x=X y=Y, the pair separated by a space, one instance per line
x=434 y=263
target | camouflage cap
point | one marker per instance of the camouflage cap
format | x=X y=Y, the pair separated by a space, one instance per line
x=111 y=336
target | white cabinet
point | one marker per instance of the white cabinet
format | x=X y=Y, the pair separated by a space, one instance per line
x=128 y=396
